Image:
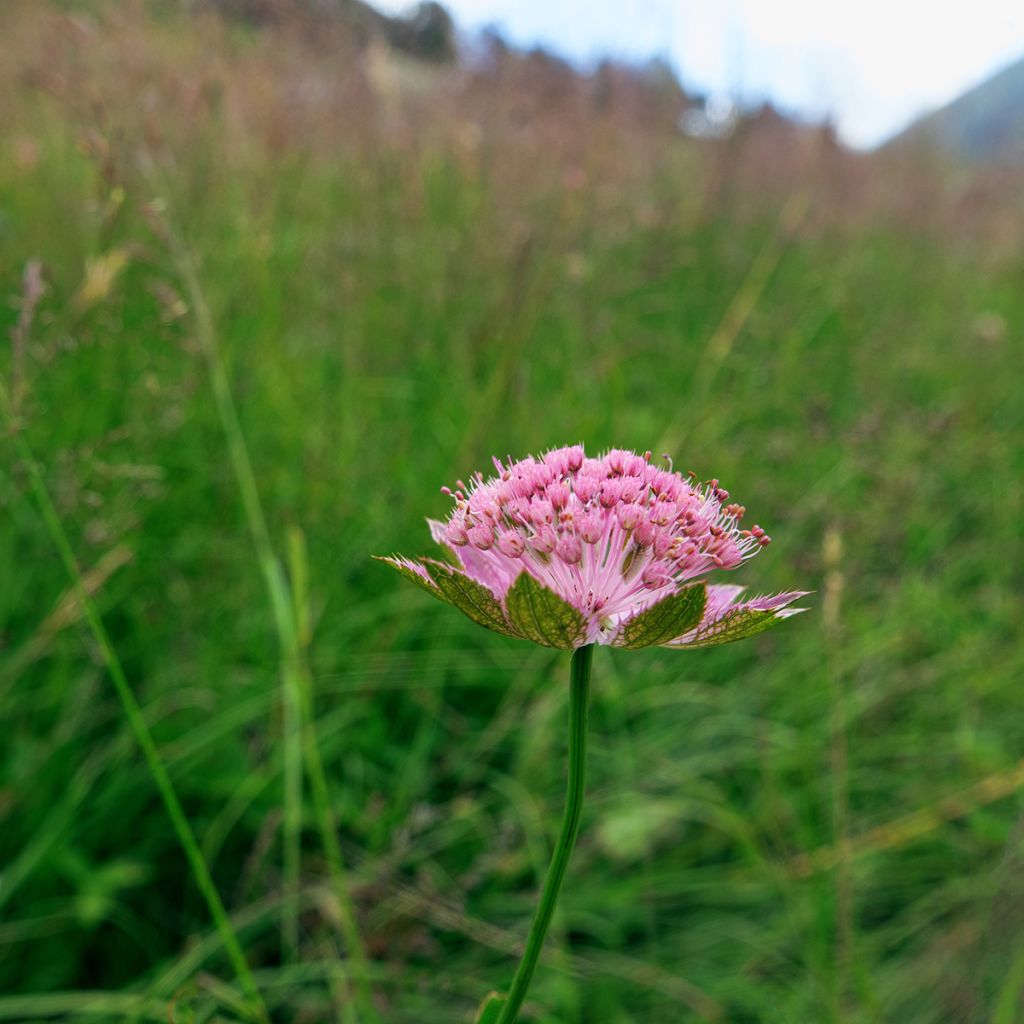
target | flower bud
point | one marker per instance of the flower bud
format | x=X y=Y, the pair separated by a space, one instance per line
x=590 y=527
x=569 y=549
x=544 y=540
x=511 y=544
x=481 y=536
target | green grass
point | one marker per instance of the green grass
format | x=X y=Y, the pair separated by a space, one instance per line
x=388 y=313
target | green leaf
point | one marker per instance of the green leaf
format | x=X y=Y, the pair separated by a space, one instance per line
x=737 y=625
x=490 y=1009
x=471 y=598
x=671 y=617
x=542 y=616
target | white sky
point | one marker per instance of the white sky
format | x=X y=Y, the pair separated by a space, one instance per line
x=873 y=65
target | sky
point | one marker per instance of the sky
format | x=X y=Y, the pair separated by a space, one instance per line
x=871 y=66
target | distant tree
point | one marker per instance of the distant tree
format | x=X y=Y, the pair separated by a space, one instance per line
x=428 y=32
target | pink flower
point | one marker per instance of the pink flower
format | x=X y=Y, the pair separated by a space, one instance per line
x=568 y=550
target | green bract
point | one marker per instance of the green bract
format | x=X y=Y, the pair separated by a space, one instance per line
x=531 y=611
x=669 y=618
x=542 y=616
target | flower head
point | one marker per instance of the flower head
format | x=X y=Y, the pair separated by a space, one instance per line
x=568 y=550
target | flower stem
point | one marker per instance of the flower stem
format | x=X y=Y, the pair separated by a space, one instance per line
x=579 y=689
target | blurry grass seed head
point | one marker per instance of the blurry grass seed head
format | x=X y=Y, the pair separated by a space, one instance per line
x=568 y=550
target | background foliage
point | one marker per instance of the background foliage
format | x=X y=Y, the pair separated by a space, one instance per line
x=407 y=269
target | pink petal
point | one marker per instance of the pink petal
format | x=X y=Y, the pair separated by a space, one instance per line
x=491 y=568
x=775 y=602
x=720 y=597
x=437 y=532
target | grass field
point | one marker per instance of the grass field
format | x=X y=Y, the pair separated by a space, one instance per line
x=360 y=281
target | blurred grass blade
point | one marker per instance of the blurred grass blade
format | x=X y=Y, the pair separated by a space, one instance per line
x=326 y=824
x=489 y=1010
x=273 y=576
x=67 y=611
x=135 y=718
x=88 y=1005
x=1008 y=1002
x=736 y=316
x=290 y=614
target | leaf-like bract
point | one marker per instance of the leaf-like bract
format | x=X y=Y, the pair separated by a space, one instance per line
x=542 y=616
x=736 y=625
x=471 y=598
x=671 y=617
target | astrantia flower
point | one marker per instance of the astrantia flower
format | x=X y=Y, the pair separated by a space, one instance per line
x=568 y=551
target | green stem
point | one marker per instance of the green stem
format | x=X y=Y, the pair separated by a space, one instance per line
x=579 y=688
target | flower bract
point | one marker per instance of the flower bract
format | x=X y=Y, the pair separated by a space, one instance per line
x=568 y=550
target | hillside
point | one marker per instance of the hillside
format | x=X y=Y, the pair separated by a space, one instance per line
x=985 y=123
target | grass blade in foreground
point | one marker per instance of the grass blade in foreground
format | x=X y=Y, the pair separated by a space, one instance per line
x=299 y=730
x=133 y=712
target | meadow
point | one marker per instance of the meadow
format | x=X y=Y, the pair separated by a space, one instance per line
x=264 y=293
